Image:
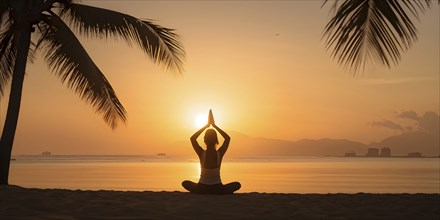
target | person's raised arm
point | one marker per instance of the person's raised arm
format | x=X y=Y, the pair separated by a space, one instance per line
x=194 y=142
x=225 y=144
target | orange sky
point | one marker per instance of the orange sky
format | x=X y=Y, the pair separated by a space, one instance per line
x=257 y=82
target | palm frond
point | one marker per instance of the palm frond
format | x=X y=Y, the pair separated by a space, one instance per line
x=4 y=7
x=62 y=5
x=161 y=44
x=70 y=61
x=8 y=54
x=372 y=30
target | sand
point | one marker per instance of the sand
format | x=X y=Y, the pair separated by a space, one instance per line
x=22 y=203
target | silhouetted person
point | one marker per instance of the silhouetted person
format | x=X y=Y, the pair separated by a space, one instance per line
x=210 y=161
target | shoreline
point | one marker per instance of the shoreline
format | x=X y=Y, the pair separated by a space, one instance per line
x=30 y=203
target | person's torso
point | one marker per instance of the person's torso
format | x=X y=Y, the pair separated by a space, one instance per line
x=210 y=167
x=210 y=159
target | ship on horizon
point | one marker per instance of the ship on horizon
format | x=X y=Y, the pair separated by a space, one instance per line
x=46 y=153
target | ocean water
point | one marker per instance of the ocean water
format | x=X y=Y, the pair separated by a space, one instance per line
x=256 y=174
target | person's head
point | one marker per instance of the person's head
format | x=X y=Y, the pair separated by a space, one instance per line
x=211 y=138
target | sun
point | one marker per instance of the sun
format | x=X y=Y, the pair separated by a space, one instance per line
x=200 y=120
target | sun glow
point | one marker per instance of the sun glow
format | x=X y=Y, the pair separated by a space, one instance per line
x=200 y=120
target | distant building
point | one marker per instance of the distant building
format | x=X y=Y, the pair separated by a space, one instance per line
x=385 y=152
x=350 y=154
x=372 y=152
x=415 y=154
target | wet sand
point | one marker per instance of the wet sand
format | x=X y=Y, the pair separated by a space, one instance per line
x=22 y=203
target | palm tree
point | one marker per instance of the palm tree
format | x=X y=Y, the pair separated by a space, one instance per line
x=30 y=26
x=376 y=31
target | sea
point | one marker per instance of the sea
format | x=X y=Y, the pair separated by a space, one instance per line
x=256 y=174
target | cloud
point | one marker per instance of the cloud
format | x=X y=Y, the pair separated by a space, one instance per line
x=400 y=80
x=388 y=124
x=428 y=122
x=408 y=115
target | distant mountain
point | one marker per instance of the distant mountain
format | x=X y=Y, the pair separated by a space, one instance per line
x=423 y=142
x=244 y=145
x=327 y=146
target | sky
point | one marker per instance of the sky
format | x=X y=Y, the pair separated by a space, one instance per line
x=261 y=66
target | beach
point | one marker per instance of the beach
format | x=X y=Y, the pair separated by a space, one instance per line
x=143 y=187
x=31 y=203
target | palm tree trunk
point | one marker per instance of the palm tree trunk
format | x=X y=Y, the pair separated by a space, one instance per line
x=22 y=43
